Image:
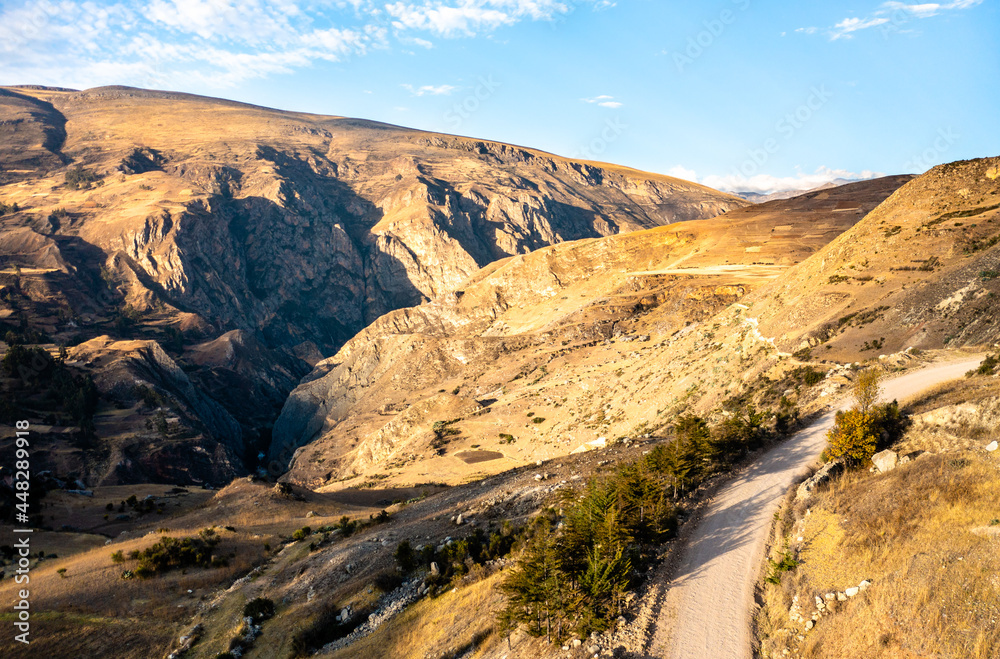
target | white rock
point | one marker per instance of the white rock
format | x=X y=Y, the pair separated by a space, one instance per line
x=992 y=446
x=863 y=586
x=841 y=597
x=810 y=625
x=885 y=461
x=851 y=592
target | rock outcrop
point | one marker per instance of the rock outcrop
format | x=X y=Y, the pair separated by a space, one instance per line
x=219 y=228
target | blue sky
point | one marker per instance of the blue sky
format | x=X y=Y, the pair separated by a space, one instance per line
x=737 y=94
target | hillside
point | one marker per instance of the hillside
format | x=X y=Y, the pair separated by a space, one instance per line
x=558 y=348
x=614 y=335
x=249 y=242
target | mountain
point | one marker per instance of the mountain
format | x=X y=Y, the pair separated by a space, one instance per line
x=774 y=195
x=556 y=348
x=250 y=242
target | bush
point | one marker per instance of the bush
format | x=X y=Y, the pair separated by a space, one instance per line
x=80 y=178
x=775 y=568
x=346 y=526
x=387 y=581
x=405 y=557
x=174 y=553
x=259 y=608
x=859 y=432
x=302 y=533
x=986 y=367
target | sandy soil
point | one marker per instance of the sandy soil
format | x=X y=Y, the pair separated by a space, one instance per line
x=709 y=603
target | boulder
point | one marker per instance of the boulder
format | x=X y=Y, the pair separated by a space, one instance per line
x=851 y=592
x=992 y=446
x=885 y=461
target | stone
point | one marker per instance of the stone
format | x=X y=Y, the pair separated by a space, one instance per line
x=311 y=513
x=345 y=615
x=841 y=597
x=577 y=642
x=851 y=592
x=885 y=461
x=435 y=569
x=810 y=625
x=459 y=520
x=825 y=473
x=992 y=446
x=863 y=586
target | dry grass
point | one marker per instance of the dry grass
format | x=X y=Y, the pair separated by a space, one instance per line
x=445 y=626
x=94 y=605
x=935 y=592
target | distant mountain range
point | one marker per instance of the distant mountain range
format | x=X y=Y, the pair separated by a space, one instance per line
x=761 y=197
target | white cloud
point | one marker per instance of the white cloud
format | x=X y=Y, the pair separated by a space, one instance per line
x=429 y=90
x=604 y=101
x=223 y=42
x=468 y=17
x=682 y=172
x=765 y=183
x=844 y=28
x=920 y=11
x=893 y=13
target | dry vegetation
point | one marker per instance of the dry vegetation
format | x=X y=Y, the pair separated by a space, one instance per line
x=451 y=625
x=925 y=534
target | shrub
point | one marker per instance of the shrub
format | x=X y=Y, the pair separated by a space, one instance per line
x=538 y=419
x=986 y=367
x=302 y=533
x=118 y=557
x=346 y=526
x=387 y=581
x=405 y=557
x=775 y=568
x=173 y=553
x=858 y=432
x=80 y=178
x=259 y=608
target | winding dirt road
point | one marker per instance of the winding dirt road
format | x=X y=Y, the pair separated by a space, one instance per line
x=708 y=605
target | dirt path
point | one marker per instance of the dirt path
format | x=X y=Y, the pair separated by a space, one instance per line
x=706 y=612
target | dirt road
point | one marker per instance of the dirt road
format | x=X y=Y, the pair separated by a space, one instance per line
x=708 y=605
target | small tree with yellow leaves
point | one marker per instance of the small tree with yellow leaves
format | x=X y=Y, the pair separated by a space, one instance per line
x=856 y=433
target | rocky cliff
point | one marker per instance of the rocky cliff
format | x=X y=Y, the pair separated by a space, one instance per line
x=182 y=219
x=558 y=347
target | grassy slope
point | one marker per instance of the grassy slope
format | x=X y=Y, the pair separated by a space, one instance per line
x=910 y=532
